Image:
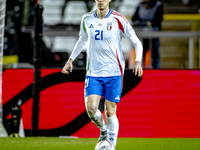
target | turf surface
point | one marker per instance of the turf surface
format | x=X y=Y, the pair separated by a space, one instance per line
x=55 y=143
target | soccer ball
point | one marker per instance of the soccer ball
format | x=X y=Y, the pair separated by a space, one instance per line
x=104 y=145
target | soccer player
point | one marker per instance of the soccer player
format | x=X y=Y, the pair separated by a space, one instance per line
x=103 y=29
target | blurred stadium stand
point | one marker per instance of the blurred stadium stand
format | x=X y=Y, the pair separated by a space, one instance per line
x=61 y=25
x=52 y=14
x=128 y=7
x=74 y=11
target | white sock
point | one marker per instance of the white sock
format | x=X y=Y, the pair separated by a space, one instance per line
x=112 y=129
x=97 y=119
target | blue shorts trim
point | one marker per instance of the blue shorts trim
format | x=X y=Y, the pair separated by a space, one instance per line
x=109 y=87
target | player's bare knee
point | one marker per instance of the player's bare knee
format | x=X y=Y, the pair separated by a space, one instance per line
x=110 y=113
x=91 y=110
x=110 y=108
x=92 y=103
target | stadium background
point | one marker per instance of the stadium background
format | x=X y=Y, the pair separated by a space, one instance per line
x=163 y=103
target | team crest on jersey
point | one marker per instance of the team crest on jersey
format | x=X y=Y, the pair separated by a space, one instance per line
x=109 y=26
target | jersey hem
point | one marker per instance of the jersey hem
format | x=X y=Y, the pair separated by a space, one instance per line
x=103 y=75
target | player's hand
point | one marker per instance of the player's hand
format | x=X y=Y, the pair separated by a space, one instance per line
x=137 y=69
x=67 y=66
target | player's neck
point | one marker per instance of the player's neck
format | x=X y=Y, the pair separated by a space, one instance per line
x=102 y=13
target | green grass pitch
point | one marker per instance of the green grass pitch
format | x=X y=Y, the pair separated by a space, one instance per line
x=56 y=143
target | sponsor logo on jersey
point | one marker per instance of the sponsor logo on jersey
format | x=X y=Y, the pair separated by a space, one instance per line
x=91 y=26
x=99 y=24
x=109 y=26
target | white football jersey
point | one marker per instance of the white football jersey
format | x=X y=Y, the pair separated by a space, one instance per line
x=104 y=50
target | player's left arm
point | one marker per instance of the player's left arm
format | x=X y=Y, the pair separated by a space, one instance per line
x=130 y=34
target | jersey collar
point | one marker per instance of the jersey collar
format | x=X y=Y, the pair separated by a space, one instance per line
x=109 y=13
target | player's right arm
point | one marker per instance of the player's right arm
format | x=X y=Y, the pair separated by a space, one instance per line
x=67 y=66
x=78 y=47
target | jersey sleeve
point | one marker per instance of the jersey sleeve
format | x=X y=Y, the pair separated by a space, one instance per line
x=129 y=33
x=81 y=41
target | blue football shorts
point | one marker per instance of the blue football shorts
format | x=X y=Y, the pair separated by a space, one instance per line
x=109 y=87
